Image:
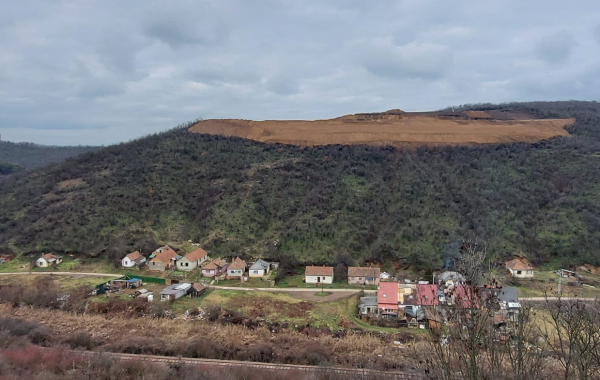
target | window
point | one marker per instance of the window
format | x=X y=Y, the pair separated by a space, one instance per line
x=187 y=264
x=518 y=272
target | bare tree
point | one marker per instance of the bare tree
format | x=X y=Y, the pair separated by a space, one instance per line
x=572 y=329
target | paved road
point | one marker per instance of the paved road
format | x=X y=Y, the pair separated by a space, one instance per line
x=64 y=273
x=216 y=364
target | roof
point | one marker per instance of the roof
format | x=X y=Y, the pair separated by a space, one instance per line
x=451 y=275
x=318 y=271
x=164 y=254
x=196 y=254
x=214 y=264
x=363 y=272
x=368 y=301
x=176 y=288
x=464 y=296
x=134 y=280
x=134 y=255
x=198 y=286
x=49 y=256
x=260 y=264
x=518 y=264
x=387 y=295
x=508 y=294
x=427 y=295
x=237 y=264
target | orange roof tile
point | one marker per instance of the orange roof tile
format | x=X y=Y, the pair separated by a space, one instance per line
x=164 y=254
x=318 y=271
x=237 y=264
x=134 y=255
x=518 y=264
x=363 y=272
x=196 y=254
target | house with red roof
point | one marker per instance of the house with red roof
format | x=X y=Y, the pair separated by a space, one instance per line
x=133 y=259
x=427 y=295
x=215 y=268
x=519 y=268
x=318 y=275
x=387 y=297
x=192 y=260
x=47 y=260
x=163 y=258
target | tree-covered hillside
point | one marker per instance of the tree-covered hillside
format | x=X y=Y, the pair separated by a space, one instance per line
x=377 y=204
x=28 y=156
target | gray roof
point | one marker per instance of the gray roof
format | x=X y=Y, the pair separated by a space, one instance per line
x=451 y=275
x=508 y=294
x=368 y=301
x=260 y=264
x=176 y=288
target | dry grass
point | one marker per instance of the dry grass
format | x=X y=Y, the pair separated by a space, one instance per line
x=178 y=337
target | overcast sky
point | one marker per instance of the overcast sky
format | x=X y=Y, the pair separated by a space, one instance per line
x=100 y=72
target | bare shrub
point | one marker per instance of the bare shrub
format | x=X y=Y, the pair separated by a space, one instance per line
x=79 y=339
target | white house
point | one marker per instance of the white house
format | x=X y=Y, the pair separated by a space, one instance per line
x=259 y=268
x=47 y=260
x=519 y=268
x=318 y=275
x=192 y=260
x=134 y=259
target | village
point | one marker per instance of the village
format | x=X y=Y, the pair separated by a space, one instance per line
x=384 y=300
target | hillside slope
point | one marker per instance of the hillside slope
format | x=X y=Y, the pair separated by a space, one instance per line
x=394 y=127
x=29 y=156
x=315 y=204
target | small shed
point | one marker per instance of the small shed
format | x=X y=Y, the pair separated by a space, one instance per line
x=134 y=283
x=175 y=291
x=196 y=290
x=367 y=305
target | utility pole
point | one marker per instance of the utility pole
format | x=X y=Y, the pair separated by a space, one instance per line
x=560 y=274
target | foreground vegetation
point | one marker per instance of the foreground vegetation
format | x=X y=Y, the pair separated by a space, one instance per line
x=321 y=205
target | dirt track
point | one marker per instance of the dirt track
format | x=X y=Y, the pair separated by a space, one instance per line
x=393 y=128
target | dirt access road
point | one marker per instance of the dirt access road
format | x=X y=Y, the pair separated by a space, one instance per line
x=300 y=293
x=394 y=127
x=212 y=364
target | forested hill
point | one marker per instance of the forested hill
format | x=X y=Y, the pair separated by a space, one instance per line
x=318 y=204
x=28 y=155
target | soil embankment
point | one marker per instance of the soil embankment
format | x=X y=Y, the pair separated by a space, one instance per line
x=394 y=127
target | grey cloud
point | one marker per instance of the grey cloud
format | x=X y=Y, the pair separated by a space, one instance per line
x=413 y=60
x=283 y=85
x=142 y=66
x=596 y=32
x=177 y=27
x=555 y=48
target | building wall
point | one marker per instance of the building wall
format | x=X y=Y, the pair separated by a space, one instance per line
x=362 y=281
x=41 y=263
x=156 y=265
x=126 y=263
x=191 y=265
x=256 y=273
x=315 y=279
x=523 y=274
x=235 y=272
x=208 y=272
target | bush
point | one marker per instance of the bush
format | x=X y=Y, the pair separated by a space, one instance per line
x=80 y=339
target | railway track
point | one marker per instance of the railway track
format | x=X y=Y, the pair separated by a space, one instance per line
x=216 y=364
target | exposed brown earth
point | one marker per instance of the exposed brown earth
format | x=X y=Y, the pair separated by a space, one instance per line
x=394 y=127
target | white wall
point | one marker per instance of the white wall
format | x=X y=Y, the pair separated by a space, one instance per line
x=259 y=273
x=314 y=280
